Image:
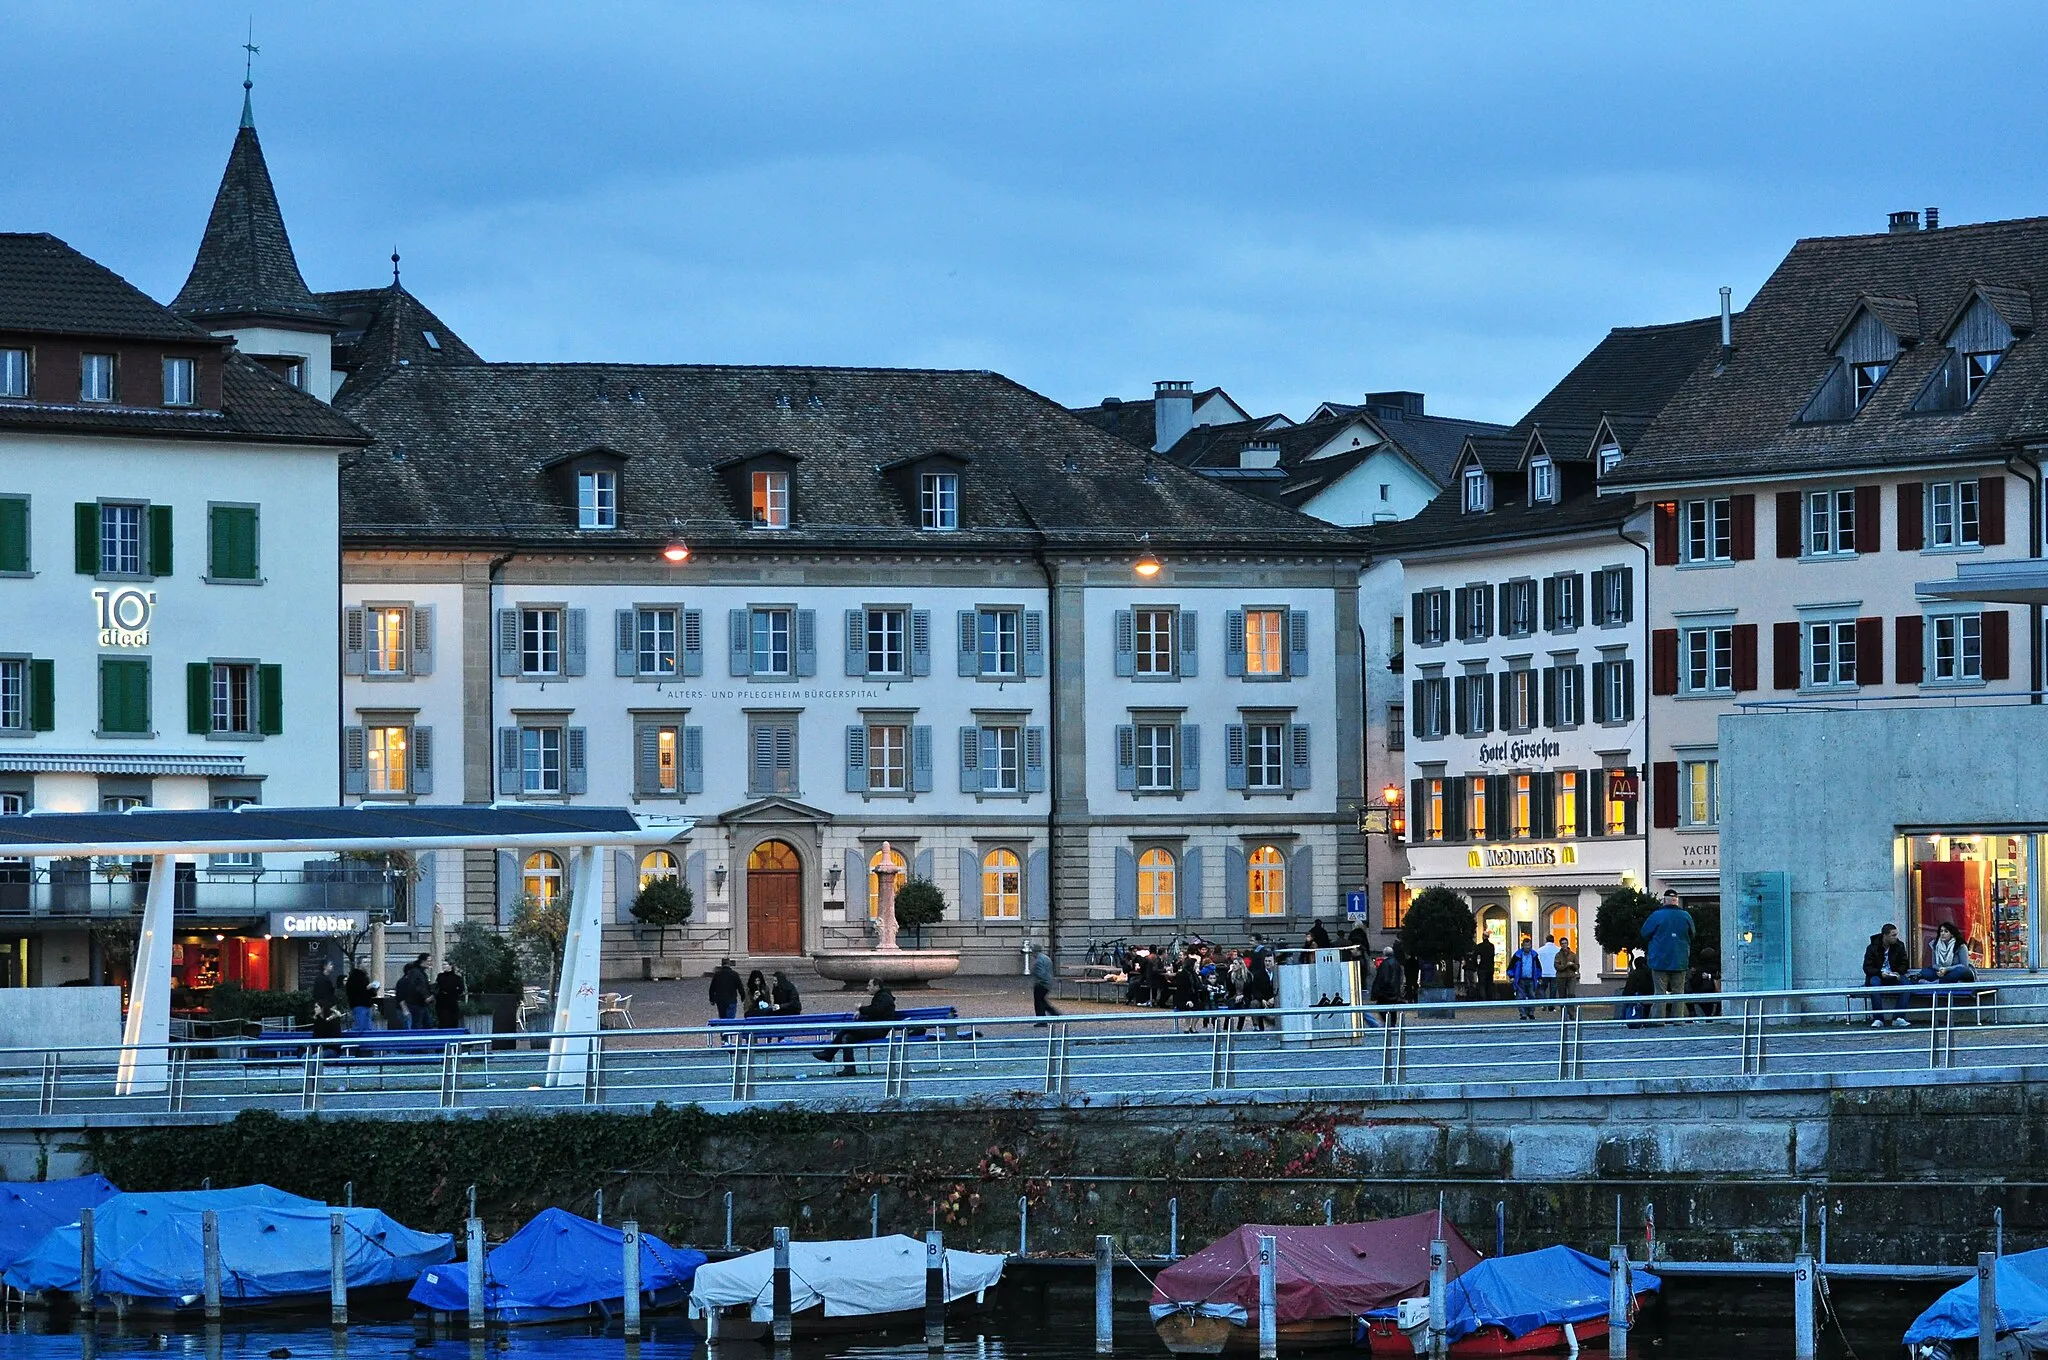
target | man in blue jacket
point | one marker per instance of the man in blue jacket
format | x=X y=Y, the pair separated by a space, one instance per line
x=1667 y=939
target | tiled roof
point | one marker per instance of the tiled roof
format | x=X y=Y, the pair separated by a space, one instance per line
x=462 y=453
x=45 y=285
x=256 y=406
x=245 y=267
x=1133 y=421
x=386 y=328
x=1628 y=378
x=1431 y=443
x=1743 y=420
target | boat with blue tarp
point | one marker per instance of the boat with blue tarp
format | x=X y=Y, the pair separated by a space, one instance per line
x=29 y=1210
x=1546 y=1302
x=1949 y=1325
x=561 y=1267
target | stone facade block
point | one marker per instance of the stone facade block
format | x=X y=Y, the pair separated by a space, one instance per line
x=1394 y=1149
x=1549 y=1152
x=1757 y=1149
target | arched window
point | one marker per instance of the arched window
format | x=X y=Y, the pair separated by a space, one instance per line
x=1493 y=925
x=1158 y=884
x=1002 y=885
x=875 y=878
x=1266 y=888
x=657 y=864
x=542 y=879
x=1561 y=923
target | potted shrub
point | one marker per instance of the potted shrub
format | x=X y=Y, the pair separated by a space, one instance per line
x=664 y=902
x=1439 y=929
x=1618 y=925
x=919 y=903
x=478 y=1016
x=490 y=972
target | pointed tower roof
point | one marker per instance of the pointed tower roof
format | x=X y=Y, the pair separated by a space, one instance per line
x=246 y=269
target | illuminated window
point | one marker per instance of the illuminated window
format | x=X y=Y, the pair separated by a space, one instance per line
x=386 y=654
x=1521 y=806
x=1265 y=642
x=771 y=500
x=1002 y=885
x=1475 y=819
x=1565 y=814
x=1701 y=805
x=657 y=864
x=1266 y=888
x=1433 y=810
x=1158 y=888
x=384 y=759
x=542 y=880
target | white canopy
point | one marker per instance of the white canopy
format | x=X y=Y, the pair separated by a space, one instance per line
x=856 y=1278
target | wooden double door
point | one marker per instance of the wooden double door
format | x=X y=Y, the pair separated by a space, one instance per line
x=775 y=900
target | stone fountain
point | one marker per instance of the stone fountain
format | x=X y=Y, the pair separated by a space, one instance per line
x=887 y=961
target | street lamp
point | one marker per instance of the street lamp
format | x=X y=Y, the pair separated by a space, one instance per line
x=676 y=552
x=1147 y=565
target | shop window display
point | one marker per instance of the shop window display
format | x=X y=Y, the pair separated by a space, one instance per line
x=1980 y=885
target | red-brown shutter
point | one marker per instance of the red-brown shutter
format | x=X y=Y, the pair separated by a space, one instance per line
x=1991 y=510
x=1788 y=523
x=1870 y=651
x=1784 y=656
x=1745 y=657
x=1912 y=528
x=1997 y=645
x=1911 y=664
x=1664 y=794
x=1666 y=514
x=1742 y=514
x=1664 y=661
x=1869 y=521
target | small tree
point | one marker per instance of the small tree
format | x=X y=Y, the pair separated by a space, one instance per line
x=487 y=959
x=664 y=902
x=541 y=928
x=1439 y=926
x=919 y=903
x=1619 y=923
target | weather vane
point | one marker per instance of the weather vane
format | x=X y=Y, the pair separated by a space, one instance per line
x=249 y=47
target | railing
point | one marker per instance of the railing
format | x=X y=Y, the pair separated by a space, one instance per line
x=1325 y=1053
x=1961 y=696
x=59 y=890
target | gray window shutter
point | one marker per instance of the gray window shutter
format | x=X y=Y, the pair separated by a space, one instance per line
x=1190 y=757
x=970 y=885
x=970 y=645
x=1301 y=882
x=423 y=639
x=1461 y=611
x=1628 y=691
x=625 y=883
x=576 y=640
x=1190 y=663
x=856 y=884
x=1298 y=756
x=423 y=890
x=693 y=760
x=920 y=760
x=970 y=760
x=1190 y=903
x=692 y=640
x=508 y=761
x=575 y=750
x=1037 y=888
x=646 y=759
x=1628 y=594
x=696 y=869
x=920 y=642
x=354 y=772
x=508 y=642
x=354 y=652
x=1550 y=587
x=1126 y=885
x=921 y=866
x=856 y=759
x=1034 y=760
x=761 y=759
x=422 y=761
x=1126 y=758
x=1233 y=642
x=806 y=642
x=1126 y=643
x=741 y=654
x=1297 y=642
x=1599 y=692
x=856 y=642
x=1233 y=755
x=509 y=886
x=626 y=646
x=1034 y=642
x=1236 y=886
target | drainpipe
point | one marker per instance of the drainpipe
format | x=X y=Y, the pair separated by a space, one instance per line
x=1052 y=746
x=1643 y=771
x=491 y=713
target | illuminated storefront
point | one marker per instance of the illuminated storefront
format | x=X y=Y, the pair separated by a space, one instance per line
x=1983 y=884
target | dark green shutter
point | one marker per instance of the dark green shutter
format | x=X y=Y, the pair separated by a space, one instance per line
x=13 y=534
x=270 y=700
x=124 y=695
x=42 y=696
x=219 y=548
x=199 y=697
x=160 y=540
x=231 y=543
x=86 y=519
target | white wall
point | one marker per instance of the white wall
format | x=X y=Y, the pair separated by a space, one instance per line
x=1355 y=498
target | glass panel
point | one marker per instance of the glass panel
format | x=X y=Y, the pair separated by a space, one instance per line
x=1977 y=883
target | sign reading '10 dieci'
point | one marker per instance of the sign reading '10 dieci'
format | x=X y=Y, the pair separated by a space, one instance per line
x=124 y=616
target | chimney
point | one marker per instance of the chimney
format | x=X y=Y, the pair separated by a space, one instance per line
x=1259 y=453
x=1904 y=222
x=1933 y=219
x=1727 y=325
x=1173 y=413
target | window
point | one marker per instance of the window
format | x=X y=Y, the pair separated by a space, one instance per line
x=1610 y=458
x=237 y=859
x=1613 y=596
x=1518 y=701
x=1474 y=704
x=1564 y=802
x=1158 y=890
x=1952 y=520
x=1478 y=491
x=1397 y=722
x=1617 y=814
x=891 y=859
x=121 y=540
x=1475 y=812
x=996 y=632
x=540 y=760
x=1521 y=805
x=295 y=373
x=1266 y=885
x=1475 y=615
x=1831 y=523
x=1001 y=758
x=1152 y=631
x=1518 y=609
x=769 y=648
x=597 y=500
x=888 y=749
x=1002 y=885
x=771 y=500
x=1709 y=660
x=1265 y=747
x=1709 y=531
x=1977 y=369
x=1615 y=698
x=1542 y=482
x=660 y=757
x=1432 y=707
x=387 y=653
x=1432 y=617
x=234 y=698
x=540 y=642
x=1571 y=702
x=938 y=500
x=656 y=865
x=1831 y=655
x=885 y=642
x=541 y=878
x=771 y=743
x=231 y=543
x=1265 y=642
x=179 y=377
x=13 y=372
x=124 y=696
x=1700 y=802
x=385 y=760
x=1864 y=379
x=13 y=694
x=1432 y=809
x=96 y=377
x=1957 y=644
x=1568 y=613
x=1155 y=756
x=654 y=641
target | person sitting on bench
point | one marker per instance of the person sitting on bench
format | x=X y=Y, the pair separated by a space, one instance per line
x=1949 y=960
x=882 y=1006
x=1884 y=967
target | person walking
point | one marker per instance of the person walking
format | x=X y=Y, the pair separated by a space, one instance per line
x=725 y=990
x=1525 y=974
x=1484 y=953
x=323 y=986
x=1884 y=967
x=413 y=990
x=362 y=996
x=1360 y=943
x=1567 y=979
x=787 y=1002
x=1041 y=982
x=449 y=990
x=1667 y=942
x=1259 y=990
x=881 y=1006
x=1318 y=938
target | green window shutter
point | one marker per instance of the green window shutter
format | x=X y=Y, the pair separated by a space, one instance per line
x=42 y=696
x=219 y=551
x=13 y=534
x=86 y=518
x=199 y=697
x=231 y=543
x=124 y=695
x=160 y=540
x=270 y=700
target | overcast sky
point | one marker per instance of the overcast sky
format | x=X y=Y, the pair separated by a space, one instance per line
x=1296 y=201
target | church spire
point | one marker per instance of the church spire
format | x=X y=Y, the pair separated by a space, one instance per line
x=249 y=49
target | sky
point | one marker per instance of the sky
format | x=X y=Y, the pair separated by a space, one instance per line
x=1296 y=201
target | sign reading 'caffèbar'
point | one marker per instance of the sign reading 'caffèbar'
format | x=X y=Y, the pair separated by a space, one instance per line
x=318 y=922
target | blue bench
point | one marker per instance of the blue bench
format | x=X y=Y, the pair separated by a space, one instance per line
x=415 y=1045
x=820 y=1027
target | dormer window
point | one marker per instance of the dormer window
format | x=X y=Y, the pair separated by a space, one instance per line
x=771 y=500
x=95 y=377
x=1610 y=458
x=597 y=499
x=1977 y=343
x=1865 y=349
x=938 y=501
x=1865 y=378
x=179 y=376
x=1478 y=491
x=1977 y=368
x=1542 y=482
x=13 y=372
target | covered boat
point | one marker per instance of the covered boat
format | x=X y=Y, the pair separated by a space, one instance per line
x=1949 y=1326
x=29 y=1210
x=558 y=1268
x=862 y=1284
x=1534 y=1303
x=1326 y=1277
x=274 y=1247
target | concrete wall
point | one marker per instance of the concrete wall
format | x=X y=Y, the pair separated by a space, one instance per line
x=69 y=1015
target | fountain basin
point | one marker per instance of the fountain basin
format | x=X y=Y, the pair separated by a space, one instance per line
x=900 y=968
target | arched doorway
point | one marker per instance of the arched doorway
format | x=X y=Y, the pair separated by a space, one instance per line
x=775 y=900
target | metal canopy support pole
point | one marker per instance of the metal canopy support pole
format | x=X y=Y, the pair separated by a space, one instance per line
x=1105 y=1294
x=630 y=1231
x=935 y=1291
x=576 y=991
x=1269 y=1317
x=784 y=1327
x=337 y=1269
x=146 y=1036
x=1987 y=1302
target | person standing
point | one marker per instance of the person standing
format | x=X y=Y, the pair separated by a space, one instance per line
x=725 y=990
x=1567 y=979
x=1483 y=952
x=1525 y=974
x=1667 y=940
x=323 y=986
x=361 y=997
x=449 y=991
x=1884 y=967
x=1546 y=954
x=1318 y=938
x=413 y=988
x=1360 y=941
x=1041 y=982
